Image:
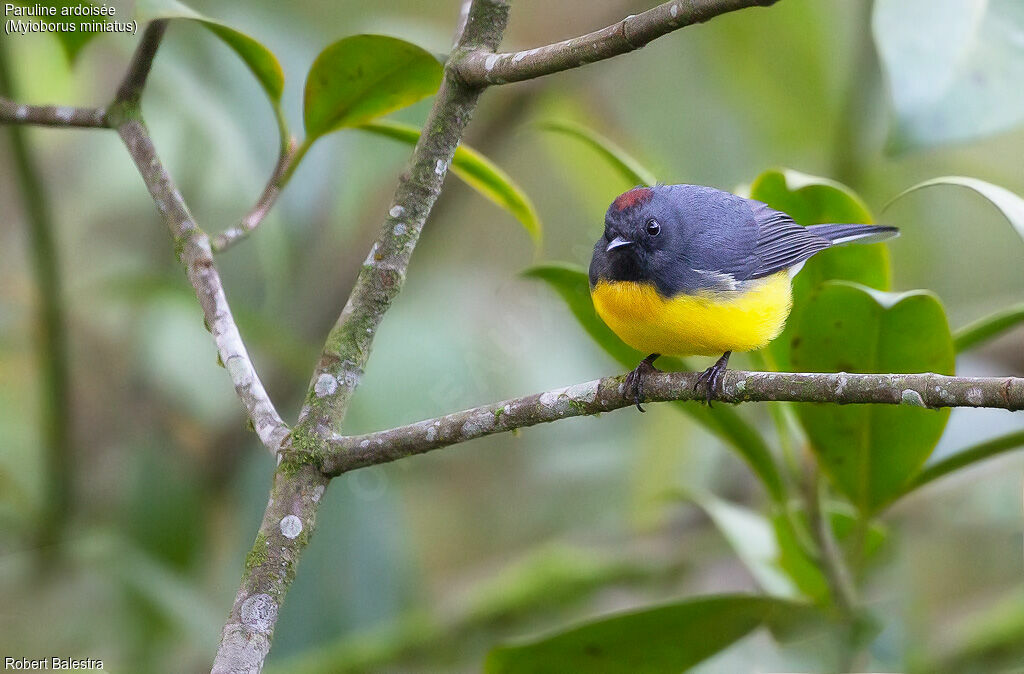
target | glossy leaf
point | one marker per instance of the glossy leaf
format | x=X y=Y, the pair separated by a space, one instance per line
x=954 y=68
x=572 y=284
x=362 y=77
x=71 y=42
x=1008 y=203
x=871 y=451
x=632 y=171
x=811 y=200
x=260 y=60
x=478 y=172
x=988 y=327
x=669 y=638
x=966 y=457
x=1012 y=208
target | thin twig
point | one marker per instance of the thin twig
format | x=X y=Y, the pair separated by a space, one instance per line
x=193 y=248
x=605 y=395
x=52 y=115
x=268 y=198
x=142 y=61
x=481 y=68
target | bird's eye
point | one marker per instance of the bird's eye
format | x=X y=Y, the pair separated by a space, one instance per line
x=653 y=228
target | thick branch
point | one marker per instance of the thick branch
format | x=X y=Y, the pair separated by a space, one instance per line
x=481 y=68
x=349 y=342
x=288 y=522
x=142 y=61
x=52 y=115
x=291 y=509
x=193 y=247
x=605 y=395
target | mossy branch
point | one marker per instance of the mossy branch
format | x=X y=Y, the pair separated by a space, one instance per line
x=604 y=395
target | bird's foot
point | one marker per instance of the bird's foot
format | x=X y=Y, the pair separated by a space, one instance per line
x=713 y=377
x=635 y=380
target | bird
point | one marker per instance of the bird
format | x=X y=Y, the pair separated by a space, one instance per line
x=686 y=270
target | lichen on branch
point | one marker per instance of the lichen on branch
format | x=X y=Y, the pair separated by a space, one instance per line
x=604 y=395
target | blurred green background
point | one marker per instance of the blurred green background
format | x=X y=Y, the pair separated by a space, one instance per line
x=424 y=564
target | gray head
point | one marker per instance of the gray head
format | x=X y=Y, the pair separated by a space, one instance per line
x=672 y=236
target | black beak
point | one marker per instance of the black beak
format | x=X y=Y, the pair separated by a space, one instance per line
x=617 y=242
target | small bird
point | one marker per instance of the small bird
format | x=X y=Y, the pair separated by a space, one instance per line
x=691 y=270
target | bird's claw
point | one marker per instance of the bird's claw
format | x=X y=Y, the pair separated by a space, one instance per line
x=713 y=379
x=634 y=383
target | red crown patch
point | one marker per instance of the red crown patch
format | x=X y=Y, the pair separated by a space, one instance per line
x=637 y=195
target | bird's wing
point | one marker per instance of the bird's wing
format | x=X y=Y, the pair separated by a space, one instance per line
x=781 y=242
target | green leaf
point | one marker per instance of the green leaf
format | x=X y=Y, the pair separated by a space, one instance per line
x=550 y=576
x=260 y=60
x=669 y=638
x=625 y=164
x=846 y=523
x=362 y=77
x=954 y=68
x=966 y=457
x=753 y=537
x=1012 y=208
x=779 y=556
x=1011 y=205
x=798 y=555
x=71 y=42
x=811 y=200
x=478 y=172
x=572 y=284
x=871 y=451
x=988 y=327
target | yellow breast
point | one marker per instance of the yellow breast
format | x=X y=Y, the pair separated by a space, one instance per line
x=706 y=324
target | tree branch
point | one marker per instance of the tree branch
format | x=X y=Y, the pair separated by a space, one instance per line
x=142 y=61
x=268 y=198
x=348 y=344
x=193 y=248
x=605 y=395
x=294 y=499
x=52 y=115
x=481 y=68
x=129 y=91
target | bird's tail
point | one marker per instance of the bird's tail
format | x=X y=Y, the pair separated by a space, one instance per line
x=840 y=234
